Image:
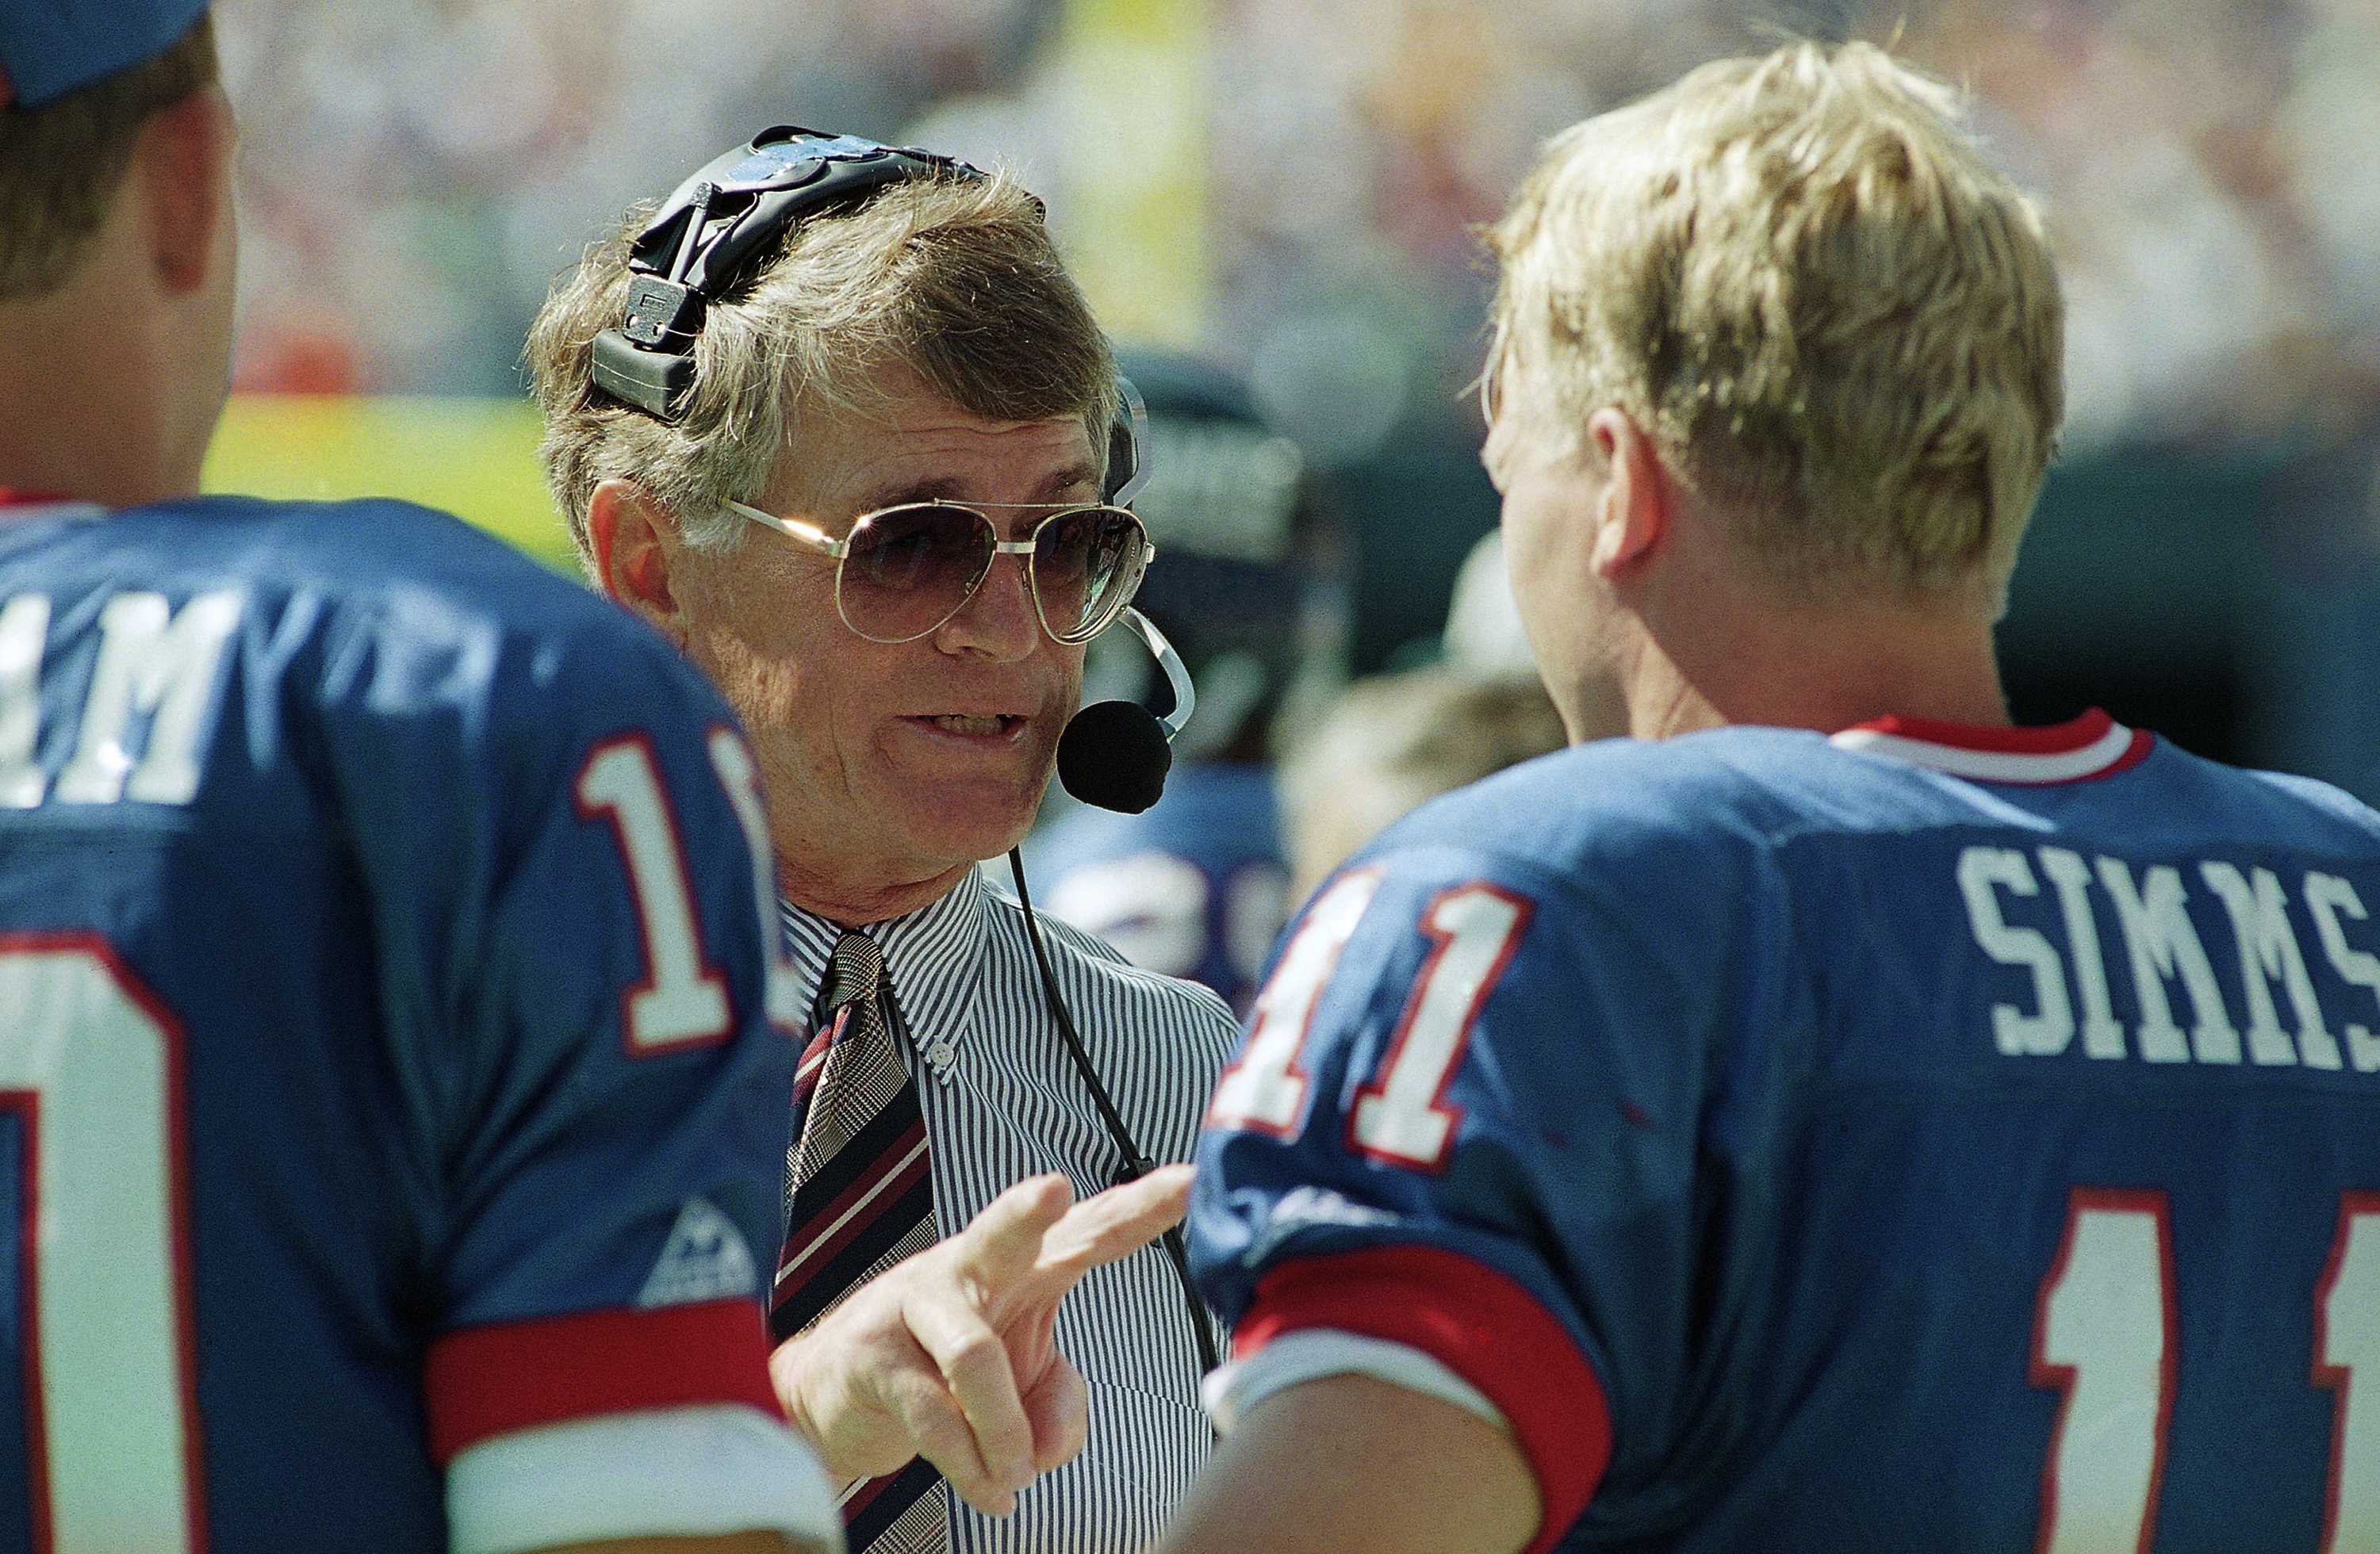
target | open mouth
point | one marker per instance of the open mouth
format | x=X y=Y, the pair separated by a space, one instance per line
x=987 y=726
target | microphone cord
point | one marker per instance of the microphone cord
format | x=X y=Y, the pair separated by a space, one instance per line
x=1135 y=1164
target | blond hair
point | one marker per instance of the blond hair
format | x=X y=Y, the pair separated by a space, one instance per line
x=1806 y=285
x=61 y=163
x=957 y=280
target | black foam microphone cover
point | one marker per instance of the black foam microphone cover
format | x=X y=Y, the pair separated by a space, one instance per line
x=1114 y=754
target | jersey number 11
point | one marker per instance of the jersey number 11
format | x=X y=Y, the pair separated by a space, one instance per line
x=2106 y=1337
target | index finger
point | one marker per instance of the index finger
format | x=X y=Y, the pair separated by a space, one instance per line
x=1113 y=1224
x=1002 y=1243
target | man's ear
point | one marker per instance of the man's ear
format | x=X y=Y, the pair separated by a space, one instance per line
x=636 y=545
x=1632 y=512
x=183 y=162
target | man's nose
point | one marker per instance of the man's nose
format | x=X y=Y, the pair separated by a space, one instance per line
x=998 y=620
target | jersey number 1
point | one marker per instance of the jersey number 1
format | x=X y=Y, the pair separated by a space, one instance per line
x=2106 y=1336
x=91 y=1067
x=1402 y=1116
x=683 y=1000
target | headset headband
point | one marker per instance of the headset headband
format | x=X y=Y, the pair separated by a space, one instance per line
x=719 y=224
x=712 y=232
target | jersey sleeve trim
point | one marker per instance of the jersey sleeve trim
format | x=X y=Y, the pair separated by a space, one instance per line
x=681 y=1472
x=1311 y=1353
x=488 y=1381
x=1479 y=1323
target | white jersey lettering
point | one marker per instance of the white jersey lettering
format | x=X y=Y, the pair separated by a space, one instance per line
x=2045 y=1031
x=2269 y=949
x=23 y=624
x=152 y=660
x=2328 y=895
x=2162 y=944
x=2103 y=1034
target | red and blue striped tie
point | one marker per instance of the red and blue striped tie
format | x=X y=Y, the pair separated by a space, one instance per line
x=860 y=1198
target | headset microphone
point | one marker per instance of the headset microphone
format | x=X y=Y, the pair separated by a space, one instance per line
x=1115 y=754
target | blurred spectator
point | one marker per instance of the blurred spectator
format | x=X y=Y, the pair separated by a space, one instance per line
x=1482 y=626
x=1394 y=740
x=420 y=169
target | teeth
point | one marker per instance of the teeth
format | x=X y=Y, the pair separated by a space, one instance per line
x=957 y=725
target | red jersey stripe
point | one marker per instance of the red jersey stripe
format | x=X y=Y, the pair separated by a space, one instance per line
x=516 y=1376
x=1478 y=1322
x=2043 y=739
x=2081 y=750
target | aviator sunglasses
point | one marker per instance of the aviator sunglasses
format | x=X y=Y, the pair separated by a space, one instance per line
x=904 y=570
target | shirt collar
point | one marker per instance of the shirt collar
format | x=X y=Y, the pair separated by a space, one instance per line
x=932 y=957
x=2081 y=750
x=16 y=503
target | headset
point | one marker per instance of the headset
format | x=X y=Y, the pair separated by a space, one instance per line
x=710 y=238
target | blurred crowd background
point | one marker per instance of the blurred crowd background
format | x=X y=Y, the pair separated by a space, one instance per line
x=1290 y=187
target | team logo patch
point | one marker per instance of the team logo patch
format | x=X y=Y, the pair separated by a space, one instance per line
x=706 y=1258
x=1301 y=1207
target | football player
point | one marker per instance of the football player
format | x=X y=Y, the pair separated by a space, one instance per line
x=393 y=1059
x=1835 y=1120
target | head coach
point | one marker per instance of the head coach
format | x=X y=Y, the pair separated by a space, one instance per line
x=834 y=418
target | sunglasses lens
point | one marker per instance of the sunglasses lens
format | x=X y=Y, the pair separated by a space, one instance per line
x=911 y=568
x=1086 y=565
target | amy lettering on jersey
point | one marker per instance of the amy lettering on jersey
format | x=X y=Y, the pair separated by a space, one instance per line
x=154 y=663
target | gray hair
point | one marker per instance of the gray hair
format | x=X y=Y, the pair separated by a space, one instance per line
x=957 y=280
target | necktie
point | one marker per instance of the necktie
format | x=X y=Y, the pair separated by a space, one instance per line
x=860 y=1198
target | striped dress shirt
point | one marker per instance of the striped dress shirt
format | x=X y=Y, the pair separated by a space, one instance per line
x=1003 y=1101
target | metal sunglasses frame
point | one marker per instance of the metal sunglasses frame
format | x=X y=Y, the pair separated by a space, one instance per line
x=812 y=538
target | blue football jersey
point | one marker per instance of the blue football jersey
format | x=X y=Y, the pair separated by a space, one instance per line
x=1924 y=1138
x=1194 y=886
x=387 y=1051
